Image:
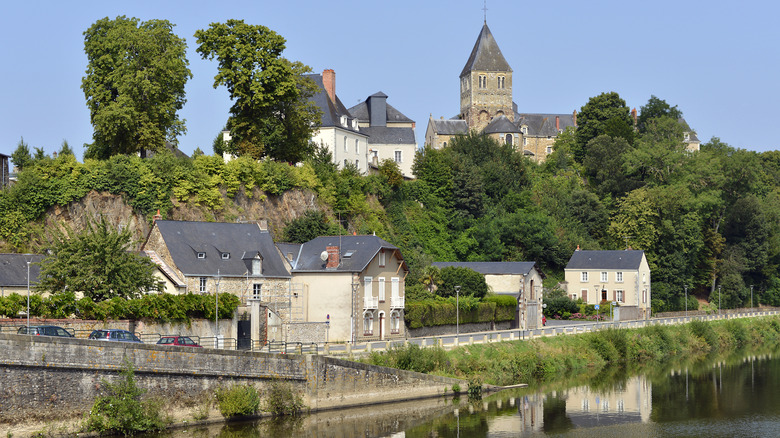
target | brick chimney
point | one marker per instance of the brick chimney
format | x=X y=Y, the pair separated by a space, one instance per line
x=633 y=115
x=333 y=256
x=329 y=82
x=557 y=123
x=575 y=117
x=158 y=216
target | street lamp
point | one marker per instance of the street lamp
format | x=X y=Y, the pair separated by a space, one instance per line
x=751 y=297
x=28 y=295
x=457 y=310
x=718 y=300
x=686 y=300
x=216 y=301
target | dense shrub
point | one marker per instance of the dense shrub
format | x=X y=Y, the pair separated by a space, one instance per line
x=237 y=400
x=439 y=311
x=281 y=399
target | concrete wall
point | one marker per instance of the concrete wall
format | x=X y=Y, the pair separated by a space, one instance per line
x=441 y=330
x=44 y=376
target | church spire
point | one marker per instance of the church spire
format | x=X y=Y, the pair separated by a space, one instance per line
x=484 y=10
x=486 y=55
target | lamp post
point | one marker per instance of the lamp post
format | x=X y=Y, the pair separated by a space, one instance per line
x=28 y=296
x=686 y=300
x=216 y=301
x=457 y=310
x=718 y=300
x=751 y=297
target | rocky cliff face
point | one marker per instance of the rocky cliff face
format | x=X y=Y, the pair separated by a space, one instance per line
x=277 y=210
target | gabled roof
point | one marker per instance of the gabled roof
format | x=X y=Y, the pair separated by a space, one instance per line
x=331 y=111
x=618 y=259
x=495 y=268
x=486 y=56
x=543 y=124
x=163 y=267
x=13 y=269
x=361 y=111
x=501 y=125
x=355 y=253
x=450 y=127
x=242 y=242
x=388 y=135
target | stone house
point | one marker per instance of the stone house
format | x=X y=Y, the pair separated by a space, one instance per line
x=390 y=133
x=354 y=284
x=13 y=273
x=620 y=276
x=521 y=280
x=440 y=133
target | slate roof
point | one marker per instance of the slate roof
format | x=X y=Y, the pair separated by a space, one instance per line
x=486 y=55
x=361 y=112
x=499 y=125
x=387 y=135
x=355 y=253
x=494 y=268
x=543 y=124
x=331 y=111
x=450 y=127
x=618 y=259
x=289 y=248
x=13 y=269
x=185 y=239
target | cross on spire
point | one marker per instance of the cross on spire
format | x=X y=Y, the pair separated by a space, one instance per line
x=484 y=10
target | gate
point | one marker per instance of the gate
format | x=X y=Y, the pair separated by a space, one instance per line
x=531 y=315
x=244 y=341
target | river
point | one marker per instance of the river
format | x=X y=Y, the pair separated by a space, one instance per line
x=725 y=397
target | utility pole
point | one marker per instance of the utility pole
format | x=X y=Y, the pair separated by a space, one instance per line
x=718 y=300
x=751 y=297
x=457 y=311
x=686 y=300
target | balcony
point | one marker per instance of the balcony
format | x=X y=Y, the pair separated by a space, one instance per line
x=370 y=302
x=396 y=302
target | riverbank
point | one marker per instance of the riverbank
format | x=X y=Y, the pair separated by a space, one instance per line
x=544 y=359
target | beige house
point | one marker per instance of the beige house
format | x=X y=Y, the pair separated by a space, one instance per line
x=355 y=284
x=621 y=277
x=522 y=280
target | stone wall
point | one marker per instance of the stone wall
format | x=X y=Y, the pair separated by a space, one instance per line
x=307 y=332
x=442 y=330
x=42 y=376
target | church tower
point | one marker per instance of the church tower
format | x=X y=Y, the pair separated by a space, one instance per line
x=485 y=84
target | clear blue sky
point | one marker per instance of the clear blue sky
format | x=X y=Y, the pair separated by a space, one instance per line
x=718 y=61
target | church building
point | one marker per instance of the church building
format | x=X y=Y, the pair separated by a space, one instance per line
x=486 y=106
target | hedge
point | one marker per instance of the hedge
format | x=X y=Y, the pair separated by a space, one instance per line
x=429 y=313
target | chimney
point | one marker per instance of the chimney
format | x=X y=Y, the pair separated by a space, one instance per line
x=574 y=115
x=377 y=109
x=578 y=247
x=557 y=123
x=263 y=224
x=633 y=115
x=329 y=82
x=158 y=216
x=333 y=256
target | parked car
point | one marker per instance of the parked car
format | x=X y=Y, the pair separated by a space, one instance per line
x=45 y=330
x=182 y=341
x=114 y=335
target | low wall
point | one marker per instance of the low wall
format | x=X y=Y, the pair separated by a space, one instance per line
x=41 y=377
x=441 y=330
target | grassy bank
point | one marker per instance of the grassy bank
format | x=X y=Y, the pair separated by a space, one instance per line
x=544 y=359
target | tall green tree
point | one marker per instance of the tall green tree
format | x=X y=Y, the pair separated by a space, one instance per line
x=607 y=114
x=96 y=261
x=272 y=114
x=21 y=156
x=655 y=108
x=134 y=85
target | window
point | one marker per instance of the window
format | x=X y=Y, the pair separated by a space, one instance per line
x=345 y=144
x=203 y=285
x=395 y=322
x=501 y=81
x=573 y=297
x=509 y=139
x=225 y=256
x=368 y=323
x=368 y=290
x=382 y=258
x=398 y=157
x=256 y=291
x=394 y=288
x=619 y=277
x=357 y=146
x=584 y=295
x=345 y=162
x=620 y=296
x=644 y=278
x=201 y=255
x=482 y=81
x=584 y=276
x=381 y=281
x=549 y=150
x=644 y=296
x=604 y=277
x=525 y=141
x=357 y=163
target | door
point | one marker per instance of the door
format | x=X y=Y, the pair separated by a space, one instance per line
x=382 y=325
x=244 y=341
x=532 y=315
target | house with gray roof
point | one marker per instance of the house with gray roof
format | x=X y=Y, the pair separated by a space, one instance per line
x=14 y=270
x=440 y=132
x=521 y=280
x=355 y=284
x=390 y=133
x=621 y=277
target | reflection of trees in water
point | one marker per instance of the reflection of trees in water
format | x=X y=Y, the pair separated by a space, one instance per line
x=554 y=418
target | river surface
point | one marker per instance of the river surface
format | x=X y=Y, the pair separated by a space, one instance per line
x=727 y=397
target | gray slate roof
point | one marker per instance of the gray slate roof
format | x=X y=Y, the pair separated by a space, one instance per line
x=387 y=135
x=13 y=269
x=393 y=115
x=617 y=259
x=494 y=268
x=450 y=127
x=185 y=239
x=355 y=253
x=331 y=111
x=500 y=125
x=543 y=124
x=486 y=56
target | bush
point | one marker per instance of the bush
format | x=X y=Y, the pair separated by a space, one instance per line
x=282 y=400
x=559 y=306
x=704 y=331
x=238 y=400
x=122 y=411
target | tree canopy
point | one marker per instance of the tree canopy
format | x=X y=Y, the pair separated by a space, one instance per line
x=134 y=85
x=271 y=113
x=607 y=114
x=655 y=108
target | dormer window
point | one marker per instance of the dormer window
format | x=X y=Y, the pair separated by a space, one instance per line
x=257 y=265
x=201 y=255
x=225 y=256
x=344 y=121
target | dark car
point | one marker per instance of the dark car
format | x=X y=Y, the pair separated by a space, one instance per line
x=117 y=335
x=45 y=330
x=182 y=341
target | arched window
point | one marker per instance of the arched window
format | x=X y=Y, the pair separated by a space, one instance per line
x=395 y=322
x=509 y=139
x=368 y=323
x=345 y=144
